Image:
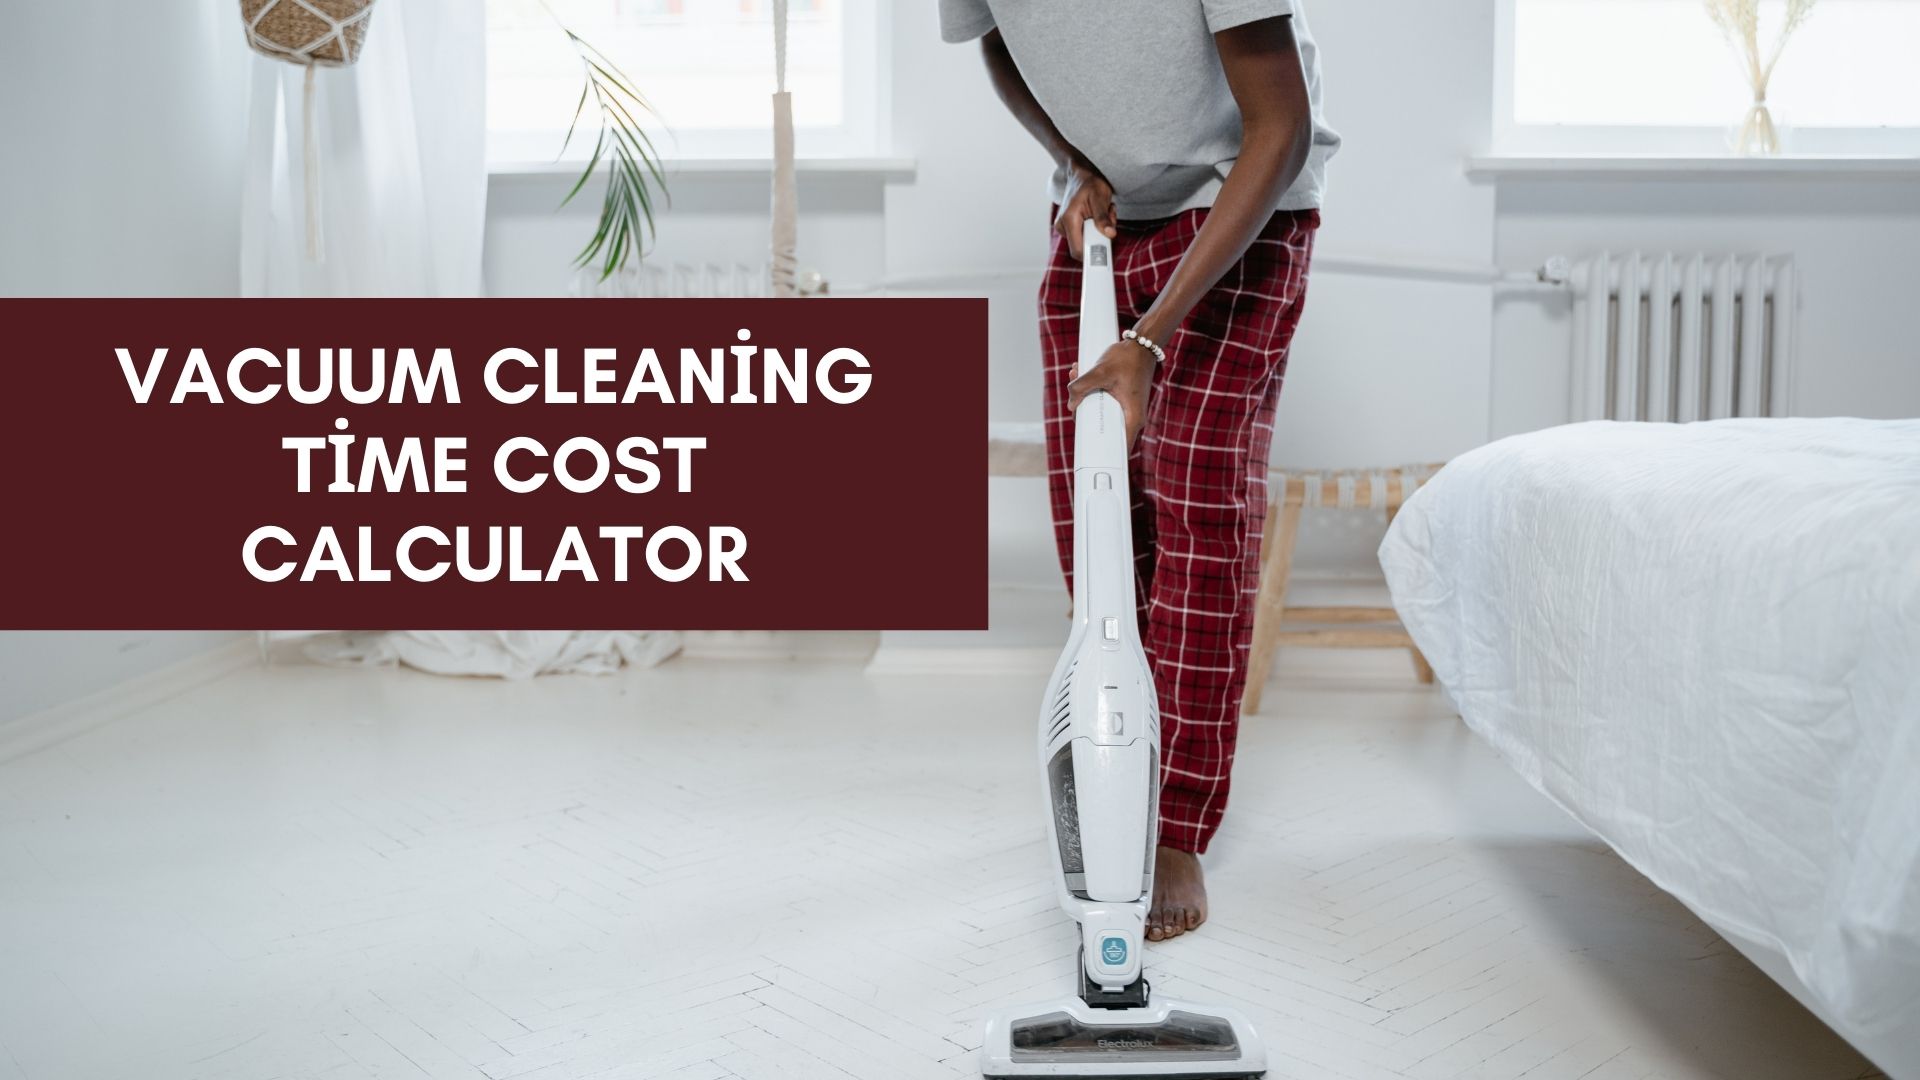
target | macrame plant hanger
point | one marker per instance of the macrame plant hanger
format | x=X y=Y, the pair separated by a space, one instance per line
x=786 y=196
x=311 y=33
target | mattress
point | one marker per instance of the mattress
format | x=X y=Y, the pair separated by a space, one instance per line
x=1703 y=641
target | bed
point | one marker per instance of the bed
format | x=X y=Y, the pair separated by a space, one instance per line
x=1703 y=641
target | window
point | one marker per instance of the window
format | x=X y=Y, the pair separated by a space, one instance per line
x=706 y=66
x=1653 y=76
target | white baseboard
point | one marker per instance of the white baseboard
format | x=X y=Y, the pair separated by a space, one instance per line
x=963 y=660
x=879 y=656
x=778 y=644
x=37 y=731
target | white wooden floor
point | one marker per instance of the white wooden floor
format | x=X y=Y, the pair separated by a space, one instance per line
x=795 y=871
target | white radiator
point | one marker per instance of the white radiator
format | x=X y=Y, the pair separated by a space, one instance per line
x=676 y=279
x=1682 y=336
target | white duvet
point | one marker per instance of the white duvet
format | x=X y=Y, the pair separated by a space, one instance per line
x=1703 y=640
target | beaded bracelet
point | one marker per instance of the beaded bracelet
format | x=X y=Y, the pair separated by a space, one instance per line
x=1159 y=354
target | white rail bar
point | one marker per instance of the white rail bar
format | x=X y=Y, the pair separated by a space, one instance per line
x=1553 y=274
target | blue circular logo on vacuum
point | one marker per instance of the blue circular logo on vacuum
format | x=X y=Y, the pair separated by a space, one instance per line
x=1113 y=951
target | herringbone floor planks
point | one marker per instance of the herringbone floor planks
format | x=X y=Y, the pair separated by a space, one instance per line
x=799 y=872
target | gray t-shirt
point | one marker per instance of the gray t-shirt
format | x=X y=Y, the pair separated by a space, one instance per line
x=1136 y=86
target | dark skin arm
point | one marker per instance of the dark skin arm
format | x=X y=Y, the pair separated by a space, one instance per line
x=1262 y=65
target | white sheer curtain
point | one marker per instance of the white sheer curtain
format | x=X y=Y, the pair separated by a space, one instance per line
x=506 y=654
x=400 y=158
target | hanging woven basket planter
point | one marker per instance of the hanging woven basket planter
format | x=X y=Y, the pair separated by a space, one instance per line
x=313 y=34
x=307 y=32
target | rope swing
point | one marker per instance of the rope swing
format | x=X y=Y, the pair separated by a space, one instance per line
x=786 y=196
x=311 y=33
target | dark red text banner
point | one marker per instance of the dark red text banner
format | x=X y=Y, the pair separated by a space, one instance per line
x=689 y=464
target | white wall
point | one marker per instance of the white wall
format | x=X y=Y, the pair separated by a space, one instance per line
x=121 y=137
x=1389 y=371
x=122 y=134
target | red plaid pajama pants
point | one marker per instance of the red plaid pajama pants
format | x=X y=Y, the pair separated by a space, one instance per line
x=1199 y=477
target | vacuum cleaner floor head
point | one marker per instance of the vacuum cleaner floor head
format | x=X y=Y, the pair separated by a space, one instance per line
x=1168 y=1039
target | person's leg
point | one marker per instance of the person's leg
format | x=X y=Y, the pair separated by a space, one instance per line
x=1204 y=452
x=1059 y=349
x=1134 y=290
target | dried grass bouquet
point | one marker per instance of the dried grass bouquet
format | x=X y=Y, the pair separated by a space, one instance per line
x=1739 y=20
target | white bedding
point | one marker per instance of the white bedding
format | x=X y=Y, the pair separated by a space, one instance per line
x=1703 y=640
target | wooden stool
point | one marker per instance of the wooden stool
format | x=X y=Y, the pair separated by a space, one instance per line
x=1018 y=449
x=1275 y=624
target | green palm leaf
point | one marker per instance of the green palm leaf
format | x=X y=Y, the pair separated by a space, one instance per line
x=634 y=177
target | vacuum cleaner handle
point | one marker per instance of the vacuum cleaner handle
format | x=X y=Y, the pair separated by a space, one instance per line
x=1100 y=426
x=1099 y=311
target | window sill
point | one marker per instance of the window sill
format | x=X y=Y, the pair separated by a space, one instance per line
x=885 y=169
x=1630 y=167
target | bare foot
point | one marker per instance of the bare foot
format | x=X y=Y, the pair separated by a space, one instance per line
x=1179 y=894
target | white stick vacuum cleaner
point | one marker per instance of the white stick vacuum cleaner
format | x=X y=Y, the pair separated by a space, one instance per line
x=1100 y=762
